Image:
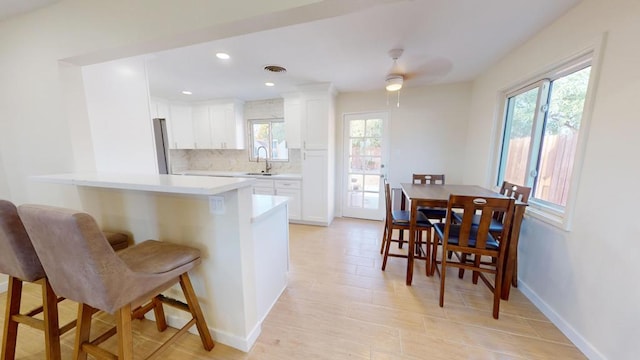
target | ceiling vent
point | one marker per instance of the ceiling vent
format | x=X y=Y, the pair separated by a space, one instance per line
x=275 y=69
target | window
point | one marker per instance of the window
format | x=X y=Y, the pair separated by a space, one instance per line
x=269 y=134
x=543 y=123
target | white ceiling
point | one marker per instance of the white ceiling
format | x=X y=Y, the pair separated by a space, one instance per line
x=443 y=41
x=9 y=8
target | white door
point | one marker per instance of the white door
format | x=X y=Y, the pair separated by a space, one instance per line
x=364 y=158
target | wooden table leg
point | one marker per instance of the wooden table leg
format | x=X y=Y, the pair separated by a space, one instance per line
x=412 y=243
x=512 y=252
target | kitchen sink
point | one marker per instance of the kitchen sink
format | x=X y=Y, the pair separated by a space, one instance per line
x=259 y=173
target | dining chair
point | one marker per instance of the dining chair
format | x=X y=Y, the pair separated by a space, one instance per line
x=431 y=179
x=517 y=192
x=19 y=260
x=401 y=220
x=82 y=267
x=476 y=240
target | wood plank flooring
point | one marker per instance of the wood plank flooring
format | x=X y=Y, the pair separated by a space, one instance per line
x=340 y=305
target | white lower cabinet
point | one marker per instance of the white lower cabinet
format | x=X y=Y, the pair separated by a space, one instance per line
x=263 y=187
x=291 y=189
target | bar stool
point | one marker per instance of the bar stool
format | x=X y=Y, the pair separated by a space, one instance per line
x=82 y=267
x=18 y=259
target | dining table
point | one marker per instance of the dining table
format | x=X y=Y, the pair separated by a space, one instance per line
x=437 y=195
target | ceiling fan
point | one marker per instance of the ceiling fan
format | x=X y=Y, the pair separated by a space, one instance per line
x=395 y=78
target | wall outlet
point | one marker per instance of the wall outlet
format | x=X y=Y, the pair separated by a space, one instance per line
x=216 y=205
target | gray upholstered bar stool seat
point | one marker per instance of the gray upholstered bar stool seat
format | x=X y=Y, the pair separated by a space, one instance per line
x=18 y=259
x=81 y=266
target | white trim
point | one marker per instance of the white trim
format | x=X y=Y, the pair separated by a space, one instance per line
x=565 y=327
x=563 y=219
x=4 y=286
x=237 y=342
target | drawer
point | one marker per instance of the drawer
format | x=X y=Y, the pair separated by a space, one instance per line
x=287 y=184
x=263 y=183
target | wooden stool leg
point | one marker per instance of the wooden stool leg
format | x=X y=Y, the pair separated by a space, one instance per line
x=14 y=296
x=158 y=311
x=194 y=308
x=83 y=331
x=125 y=333
x=51 y=327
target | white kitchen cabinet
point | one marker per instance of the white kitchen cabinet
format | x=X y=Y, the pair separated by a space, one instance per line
x=180 y=128
x=292 y=118
x=291 y=189
x=227 y=125
x=317 y=125
x=315 y=187
x=263 y=187
x=200 y=115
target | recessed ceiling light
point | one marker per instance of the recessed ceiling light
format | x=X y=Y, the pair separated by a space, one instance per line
x=223 y=56
x=187 y=92
x=269 y=84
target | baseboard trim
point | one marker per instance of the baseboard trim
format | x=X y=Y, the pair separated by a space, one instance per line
x=237 y=342
x=575 y=337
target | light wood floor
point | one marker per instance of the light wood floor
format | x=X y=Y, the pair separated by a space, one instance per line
x=340 y=305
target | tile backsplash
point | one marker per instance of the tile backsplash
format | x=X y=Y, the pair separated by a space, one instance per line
x=230 y=160
x=238 y=160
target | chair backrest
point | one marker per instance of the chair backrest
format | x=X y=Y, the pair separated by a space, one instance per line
x=486 y=207
x=520 y=193
x=428 y=179
x=18 y=257
x=79 y=262
x=387 y=201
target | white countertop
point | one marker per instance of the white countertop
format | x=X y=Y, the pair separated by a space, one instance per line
x=265 y=204
x=278 y=176
x=176 y=184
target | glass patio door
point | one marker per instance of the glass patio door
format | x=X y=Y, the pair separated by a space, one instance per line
x=364 y=159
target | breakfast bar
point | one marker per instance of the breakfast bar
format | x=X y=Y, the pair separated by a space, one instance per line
x=243 y=238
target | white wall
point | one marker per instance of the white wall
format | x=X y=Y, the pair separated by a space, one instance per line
x=117 y=97
x=585 y=279
x=426 y=133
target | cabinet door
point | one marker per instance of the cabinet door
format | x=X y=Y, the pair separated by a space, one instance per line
x=294 y=202
x=181 y=127
x=202 y=127
x=234 y=127
x=316 y=124
x=292 y=117
x=263 y=190
x=218 y=126
x=315 y=201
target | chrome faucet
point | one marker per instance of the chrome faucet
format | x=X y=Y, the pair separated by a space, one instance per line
x=267 y=167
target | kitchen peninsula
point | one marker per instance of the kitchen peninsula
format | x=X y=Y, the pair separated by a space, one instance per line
x=244 y=239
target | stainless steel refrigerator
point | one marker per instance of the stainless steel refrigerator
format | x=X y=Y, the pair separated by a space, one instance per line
x=162 y=145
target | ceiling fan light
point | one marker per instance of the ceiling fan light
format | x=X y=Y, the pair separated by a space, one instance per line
x=394 y=83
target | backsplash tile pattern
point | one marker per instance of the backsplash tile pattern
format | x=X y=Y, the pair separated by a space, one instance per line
x=238 y=160
x=230 y=160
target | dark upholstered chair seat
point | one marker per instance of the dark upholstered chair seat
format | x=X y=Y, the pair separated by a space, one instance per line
x=402 y=217
x=454 y=233
x=433 y=213
x=495 y=226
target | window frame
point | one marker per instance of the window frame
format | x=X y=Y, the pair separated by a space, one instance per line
x=252 y=156
x=542 y=210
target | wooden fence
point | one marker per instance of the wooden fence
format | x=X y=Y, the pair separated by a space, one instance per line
x=557 y=156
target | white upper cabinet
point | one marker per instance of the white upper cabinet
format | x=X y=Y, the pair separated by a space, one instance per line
x=317 y=117
x=181 y=135
x=292 y=118
x=227 y=125
x=200 y=115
